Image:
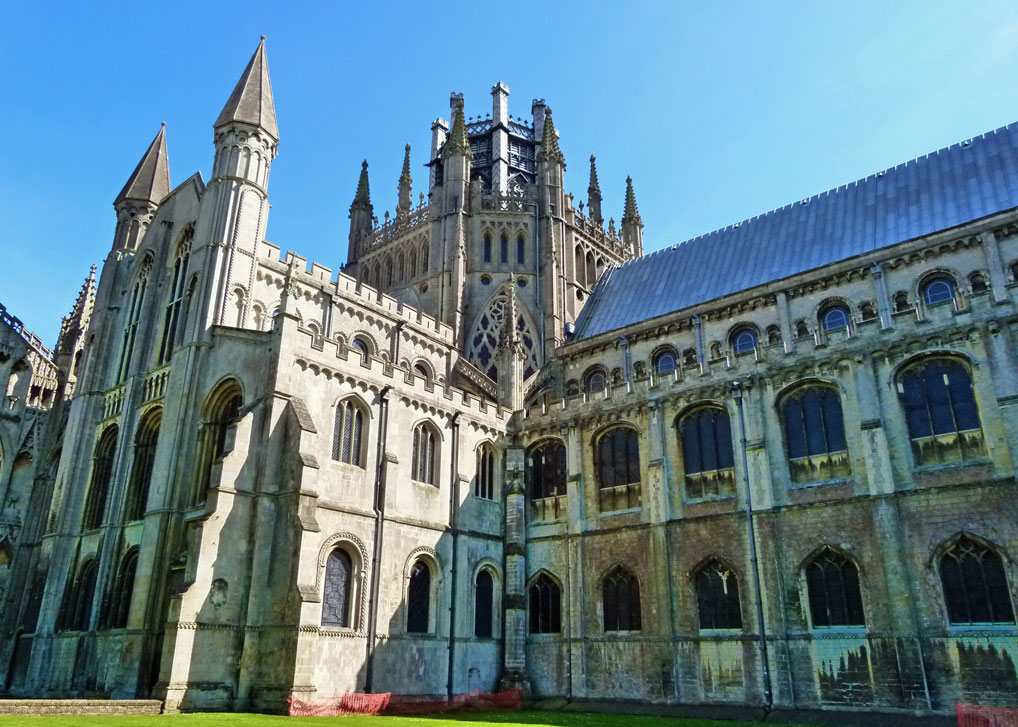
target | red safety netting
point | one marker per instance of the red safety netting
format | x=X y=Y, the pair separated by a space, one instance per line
x=972 y=715
x=476 y=700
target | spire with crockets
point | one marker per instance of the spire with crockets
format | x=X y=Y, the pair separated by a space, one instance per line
x=549 y=142
x=594 y=195
x=457 y=143
x=632 y=225
x=405 y=202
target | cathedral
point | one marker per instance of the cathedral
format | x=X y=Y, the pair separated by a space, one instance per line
x=501 y=447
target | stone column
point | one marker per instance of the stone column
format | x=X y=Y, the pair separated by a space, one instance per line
x=514 y=672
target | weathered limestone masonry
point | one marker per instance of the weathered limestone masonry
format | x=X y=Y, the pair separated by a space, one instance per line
x=503 y=448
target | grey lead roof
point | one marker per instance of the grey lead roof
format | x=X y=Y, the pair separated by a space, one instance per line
x=946 y=188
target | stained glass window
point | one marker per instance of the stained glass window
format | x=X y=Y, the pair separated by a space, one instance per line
x=338 y=581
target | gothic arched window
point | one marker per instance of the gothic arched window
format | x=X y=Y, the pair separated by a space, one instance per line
x=487 y=248
x=940 y=411
x=412 y=266
x=337 y=598
x=348 y=433
x=131 y=327
x=815 y=434
x=578 y=267
x=173 y=307
x=591 y=270
x=708 y=461
x=123 y=588
x=717 y=597
x=975 y=586
x=832 y=582
x=520 y=251
x=418 y=610
x=483 y=342
x=362 y=349
x=141 y=469
x=504 y=249
x=102 y=473
x=620 y=601
x=617 y=462
x=545 y=606
x=484 y=484
x=484 y=598
x=424 y=259
x=546 y=469
x=424 y=467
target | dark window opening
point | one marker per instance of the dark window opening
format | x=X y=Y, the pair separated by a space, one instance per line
x=338 y=582
x=419 y=599
x=545 y=606
x=975 y=586
x=484 y=596
x=834 y=596
x=620 y=599
x=717 y=597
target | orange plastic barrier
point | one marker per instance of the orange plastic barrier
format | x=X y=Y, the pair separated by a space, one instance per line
x=972 y=715
x=477 y=701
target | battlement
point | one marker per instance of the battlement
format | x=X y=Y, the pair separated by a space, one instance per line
x=405 y=382
x=383 y=234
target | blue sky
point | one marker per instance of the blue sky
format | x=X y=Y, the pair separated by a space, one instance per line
x=719 y=111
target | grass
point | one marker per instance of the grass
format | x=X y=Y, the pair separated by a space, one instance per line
x=525 y=718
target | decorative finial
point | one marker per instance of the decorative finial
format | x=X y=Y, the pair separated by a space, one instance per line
x=263 y=38
x=164 y=124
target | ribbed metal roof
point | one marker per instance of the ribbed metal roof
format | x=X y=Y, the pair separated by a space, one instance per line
x=946 y=188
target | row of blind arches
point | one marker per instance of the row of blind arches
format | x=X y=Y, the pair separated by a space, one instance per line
x=398 y=270
x=972 y=576
x=935 y=393
x=221 y=411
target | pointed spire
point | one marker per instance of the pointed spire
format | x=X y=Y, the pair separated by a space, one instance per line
x=458 y=143
x=594 y=195
x=593 y=186
x=77 y=321
x=150 y=181
x=405 y=174
x=630 y=213
x=362 y=199
x=549 y=142
x=251 y=100
x=510 y=335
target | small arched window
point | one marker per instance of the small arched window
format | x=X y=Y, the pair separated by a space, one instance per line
x=400 y=268
x=708 y=462
x=975 y=586
x=504 y=249
x=123 y=588
x=421 y=370
x=418 y=612
x=487 y=248
x=591 y=270
x=815 y=434
x=938 y=289
x=424 y=467
x=578 y=268
x=361 y=348
x=717 y=597
x=520 y=251
x=594 y=381
x=337 y=598
x=978 y=283
x=412 y=265
x=901 y=304
x=484 y=601
x=832 y=582
x=743 y=341
x=102 y=473
x=424 y=259
x=141 y=469
x=773 y=336
x=801 y=329
x=617 y=461
x=546 y=469
x=545 y=606
x=940 y=411
x=664 y=362
x=484 y=484
x=689 y=358
x=620 y=601
x=348 y=433
x=835 y=317
x=867 y=311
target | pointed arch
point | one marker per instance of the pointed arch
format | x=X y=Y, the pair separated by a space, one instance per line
x=482 y=344
x=102 y=474
x=620 y=600
x=832 y=588
x=145 y=440
x=717 y=595
x=349 y=435
x=974 y=582
x=545 y=601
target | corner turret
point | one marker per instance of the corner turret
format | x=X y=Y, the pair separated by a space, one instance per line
x=139 y=199
x=632 y=225
x=70 y=346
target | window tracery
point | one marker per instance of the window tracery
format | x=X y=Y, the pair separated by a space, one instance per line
x=484 y=340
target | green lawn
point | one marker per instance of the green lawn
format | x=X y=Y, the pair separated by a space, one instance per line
x=529 y=718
